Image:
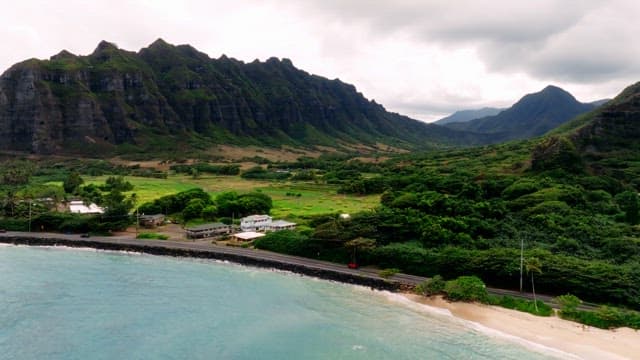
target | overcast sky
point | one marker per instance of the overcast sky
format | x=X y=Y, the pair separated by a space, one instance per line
x=421 y=58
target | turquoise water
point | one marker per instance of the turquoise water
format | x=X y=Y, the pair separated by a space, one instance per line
x=58 y=303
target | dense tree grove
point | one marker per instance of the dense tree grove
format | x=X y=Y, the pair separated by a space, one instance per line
x=196 y=203
x=455 y=213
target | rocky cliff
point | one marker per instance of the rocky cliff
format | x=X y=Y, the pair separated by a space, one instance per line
x=165 y=95
x=602 y=142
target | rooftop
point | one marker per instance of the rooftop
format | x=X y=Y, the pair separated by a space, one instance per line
x=248 y=235
x=256 y=217
x=154 y=216
x=282 y=223
x=78 y=207
x=207 y=226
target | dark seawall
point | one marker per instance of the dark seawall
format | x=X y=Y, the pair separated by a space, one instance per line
x=210 y=253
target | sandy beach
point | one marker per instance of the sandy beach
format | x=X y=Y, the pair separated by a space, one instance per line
x=584 y=342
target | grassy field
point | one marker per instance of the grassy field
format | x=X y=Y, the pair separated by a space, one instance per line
x=148 y=189
x=314 y=199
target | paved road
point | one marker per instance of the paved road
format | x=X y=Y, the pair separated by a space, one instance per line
x=204 y=247
x=261 y=255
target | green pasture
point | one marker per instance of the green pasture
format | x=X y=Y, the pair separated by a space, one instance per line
x=314 y=199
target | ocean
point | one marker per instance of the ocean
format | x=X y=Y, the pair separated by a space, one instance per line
x=63 y=303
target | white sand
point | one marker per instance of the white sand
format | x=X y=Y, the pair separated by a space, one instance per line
x=569 y=337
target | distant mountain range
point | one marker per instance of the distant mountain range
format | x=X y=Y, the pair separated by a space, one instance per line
x=468 y=115
x=175 y=98
x=533 y=115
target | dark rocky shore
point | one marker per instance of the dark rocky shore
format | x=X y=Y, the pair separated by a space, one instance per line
x=256 y=258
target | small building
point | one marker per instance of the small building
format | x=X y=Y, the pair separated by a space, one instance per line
x=151 y=221
x=278 y=225
x=208 y=230
x=78 y=207
x=247 y=236
x=256 y=223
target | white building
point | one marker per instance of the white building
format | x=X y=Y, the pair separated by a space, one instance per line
x=256 y=223
x=278 y=225
x=247 y=236
x=78 y=207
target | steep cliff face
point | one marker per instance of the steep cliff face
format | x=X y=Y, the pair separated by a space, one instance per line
x=162 y=93
x=614 y=127
x=602 y=142
x=69 y=101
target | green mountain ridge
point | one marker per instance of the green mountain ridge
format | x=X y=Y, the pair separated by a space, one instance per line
x=175 y=98
x=533 y=115
x=601 y=142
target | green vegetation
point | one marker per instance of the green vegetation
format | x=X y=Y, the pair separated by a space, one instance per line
x=206 y=168
x=72 y=183
x=605 y=317
x=258 y=172
x=471 y=288
x=286 y=242
x=432 y=286
x=313 y=199
x=536 y=307
x=466 y=288
x=387 y=273
x=152 y=236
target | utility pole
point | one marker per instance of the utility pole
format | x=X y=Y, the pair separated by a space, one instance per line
x=521 y=260
x=29 y=215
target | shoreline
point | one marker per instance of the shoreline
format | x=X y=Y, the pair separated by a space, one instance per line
x=261 y=259
x=553 y=333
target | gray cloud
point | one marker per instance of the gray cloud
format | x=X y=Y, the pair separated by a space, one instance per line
x=578 y=41
x=421 y=58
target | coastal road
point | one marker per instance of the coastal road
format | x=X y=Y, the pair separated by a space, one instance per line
x=260 y=256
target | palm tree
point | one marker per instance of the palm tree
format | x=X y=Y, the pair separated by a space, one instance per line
x=359 y=243
x=533 y=265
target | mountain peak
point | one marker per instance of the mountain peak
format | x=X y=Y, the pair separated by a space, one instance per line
x=105 y=46
x=552 y=88
x=549 y=93
x=159 y=43
x=64 y=54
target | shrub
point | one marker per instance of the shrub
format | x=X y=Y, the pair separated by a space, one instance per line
x=521 y=305
x=568 y=302
x=605 y=317
x=152 y=236
x=286 y=242
x=602 y=318
x=14 y=224
x=466 y=288
x=193 y=209
x=387 y=273
x=432 y=286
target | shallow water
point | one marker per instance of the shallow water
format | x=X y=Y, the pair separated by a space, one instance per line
x=60 y=303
